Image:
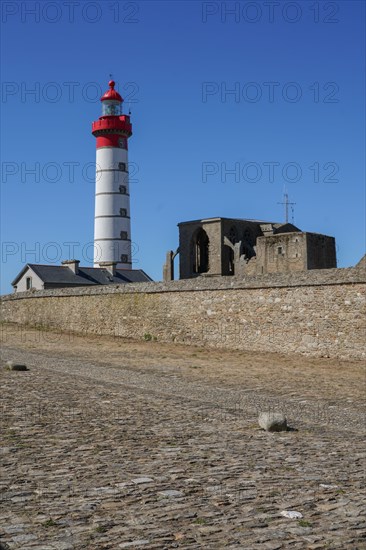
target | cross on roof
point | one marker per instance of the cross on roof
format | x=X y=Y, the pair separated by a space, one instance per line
x=286 y=203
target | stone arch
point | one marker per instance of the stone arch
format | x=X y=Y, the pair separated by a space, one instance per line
x=200 y=251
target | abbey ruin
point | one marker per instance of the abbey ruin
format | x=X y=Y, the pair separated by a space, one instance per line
x=225 y=246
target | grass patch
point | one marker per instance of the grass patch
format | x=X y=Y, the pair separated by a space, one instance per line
x=149 y=337
x=305 y=523
x=49 y=523
x=200 y=521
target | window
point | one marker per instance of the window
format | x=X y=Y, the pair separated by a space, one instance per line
x=111 y=108
x=248 y=236
x=233 y=235
x=233 y=238
x=247 y=248
x=122 y=143
x=124 y=235
x=279 y=250
x=201 y=252
x=29 y=283
x=122 y=189
x=123 y=212
x=124 y=258
x=122 y=166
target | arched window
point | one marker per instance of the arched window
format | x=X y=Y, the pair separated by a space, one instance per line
x=233 y=235
x=248 y=241
x=233 y=238
x=248 y=236
x=200 y=252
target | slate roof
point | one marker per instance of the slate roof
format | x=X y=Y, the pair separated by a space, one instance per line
x=286 y=228
x=87 y=276
x=362 y=263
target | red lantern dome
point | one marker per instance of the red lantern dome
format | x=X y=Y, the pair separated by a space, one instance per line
x=111 y=94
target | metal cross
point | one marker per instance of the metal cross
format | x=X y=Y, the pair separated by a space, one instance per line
x=286 y=203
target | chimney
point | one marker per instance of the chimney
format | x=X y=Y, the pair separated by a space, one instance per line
x=109 y=266
x=72 y=264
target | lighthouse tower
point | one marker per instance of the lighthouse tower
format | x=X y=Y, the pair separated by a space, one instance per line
x=112 y=226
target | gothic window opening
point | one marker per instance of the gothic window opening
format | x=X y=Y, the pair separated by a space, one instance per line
x=247 y=236
x=247 y=248
x=233 y=238
x=200 y=252
x=233 y=235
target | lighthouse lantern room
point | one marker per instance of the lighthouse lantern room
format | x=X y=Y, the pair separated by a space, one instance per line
x=112 y=224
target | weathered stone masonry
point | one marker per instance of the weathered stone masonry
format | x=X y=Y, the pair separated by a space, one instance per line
x=321 y=312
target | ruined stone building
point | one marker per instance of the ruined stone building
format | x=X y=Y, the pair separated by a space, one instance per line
x=225 y=246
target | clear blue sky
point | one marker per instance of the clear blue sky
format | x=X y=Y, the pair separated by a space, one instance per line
x=297 y=74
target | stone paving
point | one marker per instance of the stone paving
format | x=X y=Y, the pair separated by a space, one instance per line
x=110 y=444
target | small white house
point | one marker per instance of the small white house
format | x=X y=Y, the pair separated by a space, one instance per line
x=69 y=274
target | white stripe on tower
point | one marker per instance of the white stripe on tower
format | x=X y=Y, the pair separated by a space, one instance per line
x=112 y=225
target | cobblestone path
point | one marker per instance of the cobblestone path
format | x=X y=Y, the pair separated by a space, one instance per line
x=109 y=444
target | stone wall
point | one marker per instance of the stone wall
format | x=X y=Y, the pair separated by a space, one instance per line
x=320 y=312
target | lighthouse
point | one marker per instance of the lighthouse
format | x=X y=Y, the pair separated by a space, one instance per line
x=112 y=224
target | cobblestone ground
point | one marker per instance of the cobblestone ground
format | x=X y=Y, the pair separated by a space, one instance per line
x=110 y=444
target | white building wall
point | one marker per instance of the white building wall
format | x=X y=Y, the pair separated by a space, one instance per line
x=111 y=203
x=112 y=227
x=37 y=283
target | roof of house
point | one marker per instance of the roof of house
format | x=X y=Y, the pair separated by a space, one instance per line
x=286 y=228
x=362 y=263
x=87 y=276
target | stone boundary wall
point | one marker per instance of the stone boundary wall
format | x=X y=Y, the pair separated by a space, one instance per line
x=318 y=312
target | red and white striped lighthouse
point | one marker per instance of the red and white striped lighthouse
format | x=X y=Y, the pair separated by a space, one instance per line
x=112 y=224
